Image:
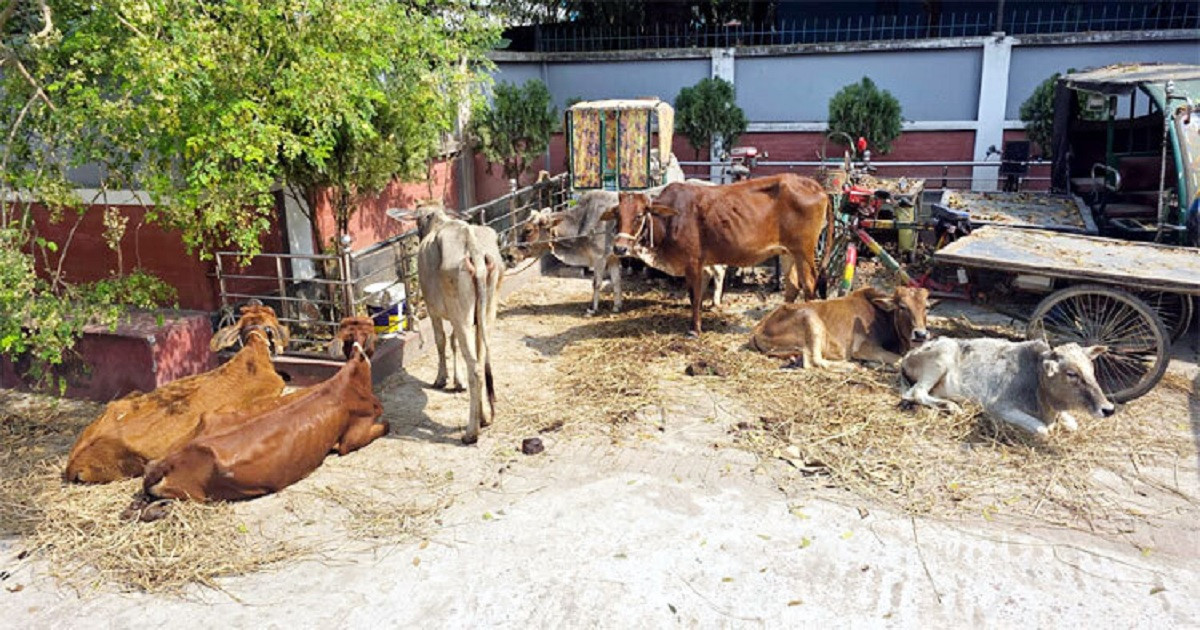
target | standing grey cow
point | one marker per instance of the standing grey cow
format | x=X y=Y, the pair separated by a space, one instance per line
x=459 y=267
x=1028 y=383
x=577 y=237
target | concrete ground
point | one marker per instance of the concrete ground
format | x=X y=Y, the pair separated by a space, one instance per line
x=659 y=532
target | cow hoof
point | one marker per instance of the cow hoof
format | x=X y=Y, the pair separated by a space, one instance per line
x=440 y=383
x=953 y=407
x=907 y=405
x=616 y=309
x=1043 y=431
x=691 y=334
x=589 y=313
x=134 y=510
x=470 y=438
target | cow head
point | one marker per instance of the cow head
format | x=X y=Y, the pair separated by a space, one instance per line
x=351 y=331
x=908 y=308
x=1068 y=380
x=632 y=214
x=99 y=459
x=535 y=234
x=256 y=320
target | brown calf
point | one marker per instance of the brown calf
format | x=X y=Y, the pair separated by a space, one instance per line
x=285 y=443
x=688 y=227
x=137 y=429
x=867 y=325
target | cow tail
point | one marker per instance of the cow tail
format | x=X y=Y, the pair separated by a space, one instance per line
x=483 y=268
x=823 y=269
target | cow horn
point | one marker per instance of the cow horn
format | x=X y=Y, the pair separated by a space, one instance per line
x=224 y=337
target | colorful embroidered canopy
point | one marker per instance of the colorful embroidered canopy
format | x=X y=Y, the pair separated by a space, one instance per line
x=611 y=143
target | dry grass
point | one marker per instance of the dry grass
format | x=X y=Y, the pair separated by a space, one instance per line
x=848 y=429
x=76 y=534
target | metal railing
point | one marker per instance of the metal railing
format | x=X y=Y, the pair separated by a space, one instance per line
x=941 y=174
x=505 y=213
x=312 y=308
x=1049 y=19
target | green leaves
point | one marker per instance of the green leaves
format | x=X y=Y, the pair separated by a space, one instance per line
x=708 y=111
x=516 y=127
x=1037 y=112
x=863 y=110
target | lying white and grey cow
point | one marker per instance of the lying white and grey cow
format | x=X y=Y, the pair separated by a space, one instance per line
x=1028 y=383
x=577 y=237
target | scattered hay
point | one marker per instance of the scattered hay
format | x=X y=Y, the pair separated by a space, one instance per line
x=849 y=431
x=76 y=533
x=83 y=540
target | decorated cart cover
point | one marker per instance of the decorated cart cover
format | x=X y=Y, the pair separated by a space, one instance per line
x=611 y=143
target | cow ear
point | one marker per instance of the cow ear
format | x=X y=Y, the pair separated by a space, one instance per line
x=1094 y=351
x=224 y=338
x=554 y=220
x=337 y=348
x=281 y=338
x=662 y=211
x=610 y=214
x=882 y=301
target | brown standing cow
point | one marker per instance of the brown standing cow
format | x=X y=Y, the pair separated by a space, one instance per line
x=283 y=444
x=137 y=429
x=688 y=227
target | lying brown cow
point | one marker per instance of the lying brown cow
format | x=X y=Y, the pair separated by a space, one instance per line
x=276 y=447
x=688 y=227
x=867 y=325
x=137 y=429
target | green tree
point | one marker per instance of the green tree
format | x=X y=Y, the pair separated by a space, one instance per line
x=515 y=129
x=708 y=111
x=863 y=110
x=1037 y=112
x=208 y=107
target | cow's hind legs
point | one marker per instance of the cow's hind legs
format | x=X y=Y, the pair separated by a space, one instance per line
x=475 y=378
x=695 y=281
x=439 y=338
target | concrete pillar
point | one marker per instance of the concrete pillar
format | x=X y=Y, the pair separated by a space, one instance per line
x=299 y=233
x=993 y=96
x=722 y=68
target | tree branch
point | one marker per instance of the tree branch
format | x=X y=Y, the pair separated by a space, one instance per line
x=9 y=57
x=47 y=21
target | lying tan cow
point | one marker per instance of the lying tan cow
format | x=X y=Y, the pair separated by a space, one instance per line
x=867 y=325
x=137 y=429
x=273 y=448
x=688 y=227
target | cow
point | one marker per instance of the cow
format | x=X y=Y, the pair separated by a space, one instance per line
x=460 y=267
x=742 y=224
x=867 y=325
x=1028 y=384
x=140 y=428
x=276 y=445
x=577 y=237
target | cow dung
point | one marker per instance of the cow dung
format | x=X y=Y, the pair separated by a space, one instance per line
x=701 y=367
x=532 y=446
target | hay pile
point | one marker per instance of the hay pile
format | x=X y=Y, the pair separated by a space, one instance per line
x=849 y=430
x=76 y=534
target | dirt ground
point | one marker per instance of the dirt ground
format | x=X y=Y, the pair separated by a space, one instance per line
x=660 y=521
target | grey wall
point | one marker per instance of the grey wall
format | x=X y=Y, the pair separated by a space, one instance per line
x=930 y=84
x=610 y=79
x=1032 y=64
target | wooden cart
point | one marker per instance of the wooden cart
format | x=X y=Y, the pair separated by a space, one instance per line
x=1107 y=291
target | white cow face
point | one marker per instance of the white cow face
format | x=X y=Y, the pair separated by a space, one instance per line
x=1068 y=379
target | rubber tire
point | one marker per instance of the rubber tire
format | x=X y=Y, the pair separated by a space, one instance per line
x=1147 y=314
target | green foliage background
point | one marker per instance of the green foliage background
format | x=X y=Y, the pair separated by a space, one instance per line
x=515 y=129
x=708 y=111
x=863 y=110
x=208 y=106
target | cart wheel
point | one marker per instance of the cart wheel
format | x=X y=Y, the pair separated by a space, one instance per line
x=1091 y=314
x=1174 y=309
x=830 y=276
